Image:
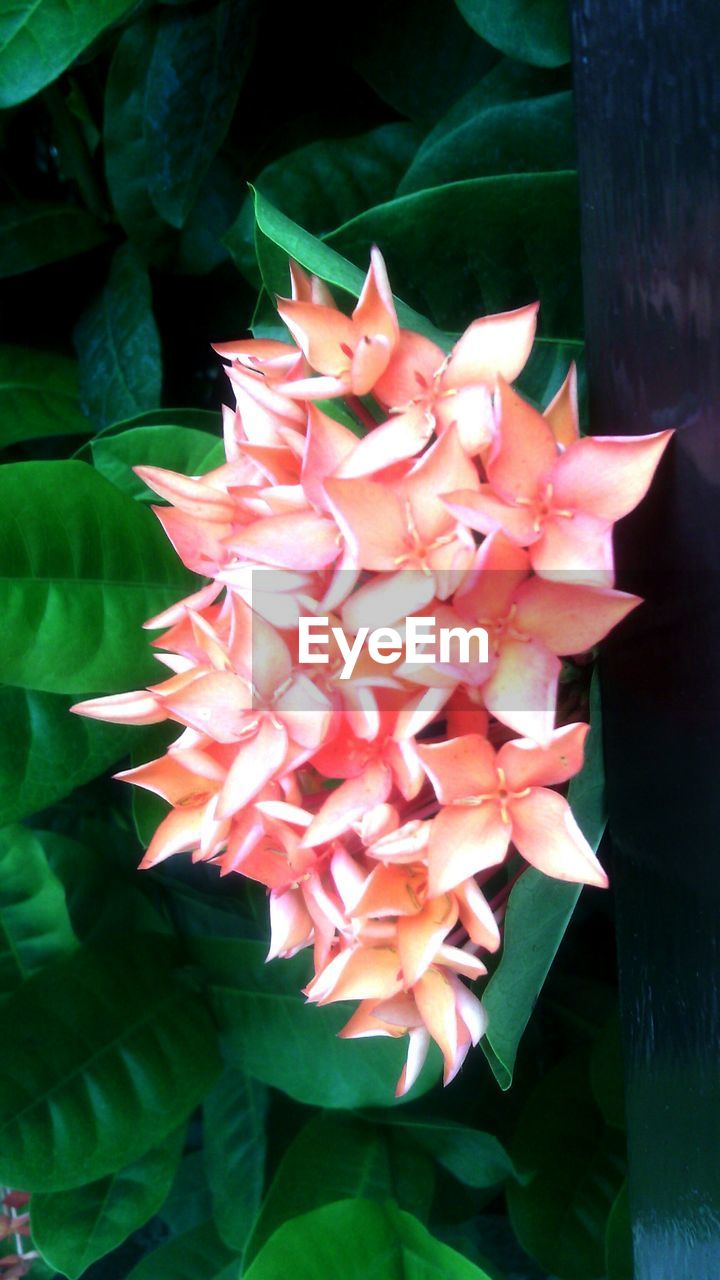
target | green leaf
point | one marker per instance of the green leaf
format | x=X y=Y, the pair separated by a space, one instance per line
x=234 y=1130
x=374 y=1241
x=477 y=1159
x=279 y=238
x=198 y=62
x=200 y=245
x=443 y=265
x=333 y=1158
x=119 y=346
x=538 y=913
x=35 y=925
x=175 y=448
x=130 y=1052
x=327 y=182
x=547 y=369
x=270 y=1032
x=38 y=396
x=422 y=60
x=196 y=1253
x=72 y=1229
x=531 y=136
x=618 y=1239
x=189 y=1203
x=560 y=1216
x=197 y=419
x=607 y=1074
x=40 y=38
x=45 y=752
x=536 y=31
x=78 y=579
x=33 y=233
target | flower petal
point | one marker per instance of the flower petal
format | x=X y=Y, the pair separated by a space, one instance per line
x=492 y=346
x=528 y=765
x=465 y=839
x=547 y=835
x=607 y=476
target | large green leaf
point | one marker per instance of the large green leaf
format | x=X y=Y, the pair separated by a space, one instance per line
x=40 y=38
x=196 y=1253
x=119 y=346
x=373 y=1242
x=279 y=238
x=485 y=245
x=129 y=1052
x=422 y=59
x=175 y=448
x=81 y=567
x=45 y=752
x=335 y=1157
x=72 y=1229
x=38 y=396
x=33 y=233
x=327 y=182
x=197 y=66
x=560 y=1215
x=537 y=916
x=234 y=1130
x=474 y=1158
x=536 y=31
x=529 y=136
x=35 y=925
x=271 y=1032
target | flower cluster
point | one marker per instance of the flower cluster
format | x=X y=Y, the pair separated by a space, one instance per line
x=384 y=811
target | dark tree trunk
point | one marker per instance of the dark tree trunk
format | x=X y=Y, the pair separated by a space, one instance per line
x=647 y=83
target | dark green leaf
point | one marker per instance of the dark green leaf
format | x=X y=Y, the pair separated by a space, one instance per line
x=72 y=1229
x=234 y=1130
x=273 y=1034
x=560 y=1216
x=607 y=1074
x=39 y=39
x=175 y=448
x=119 y=346
x=475 y=1158
x=536 y=31
x=196 y=1253
x=333 y=1158
x=618 y=1240
x=78 y=579
x=129 y=1053
x=374 y=1242
x=197 y=66
x=537 y=916
x=422 y=60
x=547 y=369
x=35 y=925
x=485 y=245
x=531 y=136
x=45 y=752
x=38 y=396
x=189 y=1203
x=33 y=233
x=200 y=246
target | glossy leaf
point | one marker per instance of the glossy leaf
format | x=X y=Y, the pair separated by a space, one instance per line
x=477 y=1159
x=38 y=396
x=536 y=31
x=72 y=1229
x=45 y=752
x=537 y=916
x=33 y=233
x=438 y=261
x=333 y=1158
x=422 y=60
x=130 y=1052
x=195 y=1253
x=175 y=448
x=195 y=73
x=35 y=924
x=78 y=579
x=39 y=39
x=270 y=1031
x=560 y=1215
x=373 y=1240
x=119 y=346
x=234 y=1115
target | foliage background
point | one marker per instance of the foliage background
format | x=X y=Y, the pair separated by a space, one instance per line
x=172 y=1105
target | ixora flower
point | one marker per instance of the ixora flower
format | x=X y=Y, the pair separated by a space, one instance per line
x=372 y=784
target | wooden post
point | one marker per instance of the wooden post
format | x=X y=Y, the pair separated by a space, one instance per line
x=647 y=84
